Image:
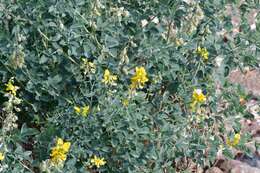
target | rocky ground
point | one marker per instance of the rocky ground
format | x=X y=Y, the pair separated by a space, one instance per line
x=243 y=163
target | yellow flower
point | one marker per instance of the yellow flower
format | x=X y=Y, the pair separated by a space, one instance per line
x=2 y=156
x=59 y=152
x=108 y=78
x=203 y=52
x=77 y=109
x=82 y=110
x=10 y=87
x=139 y=79
x=235 y=141
x=98 y=161
x=198 y=96
x=125 y=102
x=88 y=67
x=85 y=111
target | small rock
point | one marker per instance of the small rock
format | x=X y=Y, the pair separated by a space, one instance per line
x=251 y=146
x=240 y=167
x=214 y=170
x=249 y=80
x=245 y=169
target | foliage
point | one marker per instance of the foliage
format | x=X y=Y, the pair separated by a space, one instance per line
x=116 y=80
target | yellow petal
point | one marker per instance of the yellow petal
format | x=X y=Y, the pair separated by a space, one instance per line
x=59 y=141
x=2 y=156
x=77 y=109
x=236 y=139
x=66 y=146
x=85 y=111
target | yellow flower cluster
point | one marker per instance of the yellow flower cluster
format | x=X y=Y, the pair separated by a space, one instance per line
x=233 y=142
x=2 y=156
x=97 y=161
x=198 y=96
x=203 y=52
x=139 y=79
x=108 y=78
x=59 y=152
x=10 y=87
x=88 y=67
x=82 y=110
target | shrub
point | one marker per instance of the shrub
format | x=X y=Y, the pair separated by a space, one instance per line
x=131 y=85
